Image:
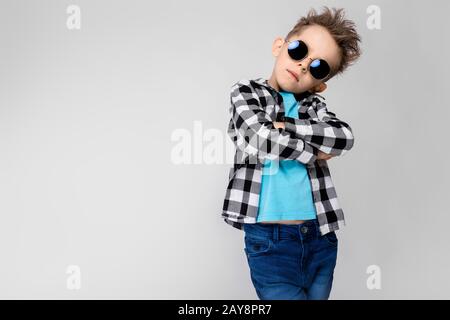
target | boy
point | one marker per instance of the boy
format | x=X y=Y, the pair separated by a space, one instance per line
x=280 y=190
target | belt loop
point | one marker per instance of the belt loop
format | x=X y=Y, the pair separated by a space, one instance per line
x=276 y=232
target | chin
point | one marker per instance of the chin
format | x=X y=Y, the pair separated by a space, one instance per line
x=286 y=85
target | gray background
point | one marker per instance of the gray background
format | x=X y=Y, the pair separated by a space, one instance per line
x=87 y=178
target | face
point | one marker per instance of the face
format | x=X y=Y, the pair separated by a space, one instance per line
x=294 y=76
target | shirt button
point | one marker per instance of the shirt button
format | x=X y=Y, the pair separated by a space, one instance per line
x=304 y=229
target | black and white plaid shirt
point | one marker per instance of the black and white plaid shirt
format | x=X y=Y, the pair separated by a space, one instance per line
x=255 y=105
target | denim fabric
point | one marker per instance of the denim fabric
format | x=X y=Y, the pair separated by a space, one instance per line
x=290 y=262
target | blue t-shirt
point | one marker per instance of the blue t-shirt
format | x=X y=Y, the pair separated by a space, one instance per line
x=285 y=185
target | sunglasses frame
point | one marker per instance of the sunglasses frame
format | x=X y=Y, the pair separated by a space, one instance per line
x=312 y=60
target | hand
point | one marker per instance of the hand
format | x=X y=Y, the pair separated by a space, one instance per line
x=324 y=156
x=278 y=124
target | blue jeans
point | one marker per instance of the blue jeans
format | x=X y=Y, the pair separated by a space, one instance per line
x=290 y=262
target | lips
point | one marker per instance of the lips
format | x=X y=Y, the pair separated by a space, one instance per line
x=293 y=74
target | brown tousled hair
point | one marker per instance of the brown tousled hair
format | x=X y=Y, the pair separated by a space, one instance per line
x=342 y=30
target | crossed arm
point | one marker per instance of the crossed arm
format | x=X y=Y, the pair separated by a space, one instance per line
x=321 y=155
x=324 y=130
x=302 y=141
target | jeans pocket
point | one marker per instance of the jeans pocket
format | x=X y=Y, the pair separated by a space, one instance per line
x=256 y=246
x=331 y=238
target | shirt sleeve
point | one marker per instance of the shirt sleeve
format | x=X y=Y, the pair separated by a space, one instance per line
x=256 y=134
x=324 y=130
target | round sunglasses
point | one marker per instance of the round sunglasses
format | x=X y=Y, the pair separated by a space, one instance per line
x=298 y=50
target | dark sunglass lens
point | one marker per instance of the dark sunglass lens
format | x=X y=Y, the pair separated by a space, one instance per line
x=319 y=69
x=297 y=50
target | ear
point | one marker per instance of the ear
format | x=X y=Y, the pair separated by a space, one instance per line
x=319 y=88
x=277 y=45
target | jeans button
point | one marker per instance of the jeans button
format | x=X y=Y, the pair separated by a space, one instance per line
x=304 y=229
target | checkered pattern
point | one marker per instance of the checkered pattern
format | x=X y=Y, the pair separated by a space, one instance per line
x=255 y=105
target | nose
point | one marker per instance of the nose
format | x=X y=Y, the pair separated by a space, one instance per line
x=304 y=64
